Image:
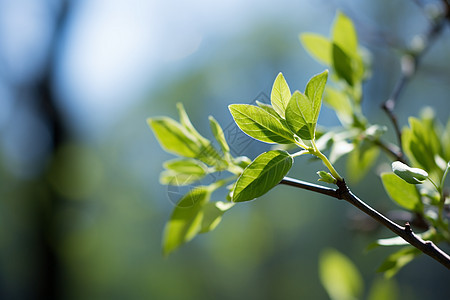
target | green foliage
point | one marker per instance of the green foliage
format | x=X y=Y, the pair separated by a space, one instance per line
x=265 y=172
x=280 y=96
x=408 y=174
x=290 y=122
x=397 y=260
x=403 y=193
x=260 y=125
x=339 y=276
x=303 y=110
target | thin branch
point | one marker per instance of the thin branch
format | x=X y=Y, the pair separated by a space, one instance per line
x=409 y=65
x=406 y=232
x=391 y=149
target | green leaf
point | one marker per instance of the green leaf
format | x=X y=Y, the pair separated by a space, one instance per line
x=182 y=171
x=300 y=116
x=212 y=214
x=319 y=47
x=419 y=145
x=383 y=289
x=218 y=134
x=408 y=174
x=265 y=172
x=186 y=165
x=340 y=103
x=186 y=123
x=280 y=96
x=173 y=137
x=339 y=276
x=403 y=193
x=342 y=64
x=314 y=92
x=344 y=34
x=269 y=108
x=360 y=160
x=170 y=177
x=326 y=177
x=398 y=260
x=186 y=219
x=260 y=125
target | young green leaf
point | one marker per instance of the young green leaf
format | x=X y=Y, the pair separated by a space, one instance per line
x=360 y=160
x=398 y=260
x=269 y=108
x=173 y=137
x=186 y=123
x=403 y=193
x=340 y=103
x=186 y=219
x=339 y=276
x=300 y=116
x=318 y=47
x=212 y=214
x=384 y=289
x=260 y=125
x=344 y=34
x=265 y=172
x=218 y=134
x=342 y=64
x=314 y=91
x=169 y=177
x=408 y=174
x=326 y=177
x=186 y=165
x=280 y=96
x=182 y=171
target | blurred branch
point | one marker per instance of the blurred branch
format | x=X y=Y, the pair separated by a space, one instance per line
x=409 y=64
x=344 y=193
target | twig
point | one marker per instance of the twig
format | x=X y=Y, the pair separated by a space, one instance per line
x=406 y=232
x=409 y=64
x=391 y=149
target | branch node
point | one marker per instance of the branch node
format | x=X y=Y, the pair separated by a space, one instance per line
x=408 y=228
x=342 y=189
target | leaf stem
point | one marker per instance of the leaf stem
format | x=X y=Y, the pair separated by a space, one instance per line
x=315 y=151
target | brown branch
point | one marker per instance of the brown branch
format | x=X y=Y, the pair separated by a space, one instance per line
x=406 y=232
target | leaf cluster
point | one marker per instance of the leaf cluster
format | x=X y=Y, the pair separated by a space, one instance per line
x=291 y=120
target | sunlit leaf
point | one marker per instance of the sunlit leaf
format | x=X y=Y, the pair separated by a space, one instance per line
x=186 y=165
x=384 y=289
x=182 y=171
x=280 y=96
x=408 y=174
x=186 y=123
x=318 y=47
x=169 y=177
x=360 y=160
x=186 y=219
x=326 y=177
x=340 y=103
x=398 y=260
x=259 y=124
x=173 y=137
x=403 y=193
x=344 y=34
x=300 y=116
x=342 y=64
x=218 y=134
x=339 y=276
x=314 y=92
x=265 y=172
x=212 y=214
